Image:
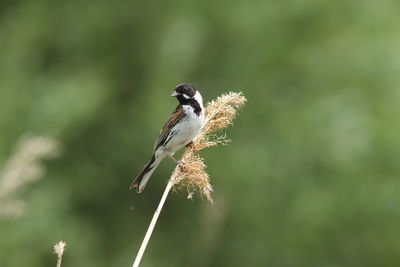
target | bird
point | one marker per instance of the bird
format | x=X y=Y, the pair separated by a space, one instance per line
x=184 y=124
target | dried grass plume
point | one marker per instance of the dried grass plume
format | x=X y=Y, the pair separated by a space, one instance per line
x=219 y=114
x=23 y=167
x=59 y=250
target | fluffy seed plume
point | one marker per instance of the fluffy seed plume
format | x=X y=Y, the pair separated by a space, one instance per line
x=59 y=250
x=219 y=114
x=23 y=167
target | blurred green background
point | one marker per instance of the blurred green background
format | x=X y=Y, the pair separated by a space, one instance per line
x=311 y=177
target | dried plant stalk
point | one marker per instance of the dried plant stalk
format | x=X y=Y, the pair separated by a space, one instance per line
x=152 y=225
x=219 y=114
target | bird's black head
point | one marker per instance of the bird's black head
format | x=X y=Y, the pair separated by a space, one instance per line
x=184 y=92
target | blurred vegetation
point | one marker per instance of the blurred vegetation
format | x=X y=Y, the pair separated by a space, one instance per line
x=310 y=179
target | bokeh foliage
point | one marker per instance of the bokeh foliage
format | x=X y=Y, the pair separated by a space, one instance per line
x=312 y=175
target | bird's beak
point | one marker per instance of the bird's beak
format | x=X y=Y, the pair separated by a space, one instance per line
x=175 y=93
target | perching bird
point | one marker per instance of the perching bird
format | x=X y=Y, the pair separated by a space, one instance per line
x=180 y=129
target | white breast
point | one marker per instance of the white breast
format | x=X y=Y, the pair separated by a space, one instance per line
x=186 y=130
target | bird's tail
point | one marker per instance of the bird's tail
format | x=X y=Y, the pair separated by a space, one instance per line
x=144 y=176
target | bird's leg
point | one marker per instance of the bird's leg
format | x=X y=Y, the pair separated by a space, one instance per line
x=180 y=163
x=190 y=145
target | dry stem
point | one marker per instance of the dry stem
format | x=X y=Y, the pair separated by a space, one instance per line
x=152 y=225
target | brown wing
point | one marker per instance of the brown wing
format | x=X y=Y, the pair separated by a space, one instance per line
x=175 y=117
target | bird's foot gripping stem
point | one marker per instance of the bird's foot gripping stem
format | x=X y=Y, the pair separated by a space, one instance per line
x=180 y=163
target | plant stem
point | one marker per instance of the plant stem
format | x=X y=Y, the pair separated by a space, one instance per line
x=152 y=225
x=59 y=261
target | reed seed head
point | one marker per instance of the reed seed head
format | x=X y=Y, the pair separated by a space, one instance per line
x=59 y=248
x=23 y=167
x=219 y=114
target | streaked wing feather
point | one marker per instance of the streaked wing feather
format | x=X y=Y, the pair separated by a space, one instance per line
x=175 y=117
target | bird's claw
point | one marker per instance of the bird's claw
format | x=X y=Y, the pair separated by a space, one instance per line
x=181 y=164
